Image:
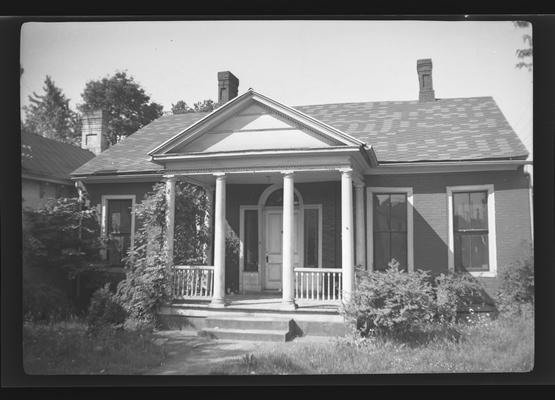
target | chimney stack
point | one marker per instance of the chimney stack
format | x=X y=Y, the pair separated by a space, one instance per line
x=228 y=87
x=424 y=69
x=93 y=132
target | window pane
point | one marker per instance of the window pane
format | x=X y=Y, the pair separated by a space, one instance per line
x=381 y=212
x=251 y=240
x=311 y=238
x=381 y=250
x=479 y=210
x=398 y=212
x=471 y=252
x=119 y=227
x=461 y=211
x=399 y=248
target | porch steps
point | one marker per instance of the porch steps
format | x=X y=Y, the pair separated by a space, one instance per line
x=248 y=328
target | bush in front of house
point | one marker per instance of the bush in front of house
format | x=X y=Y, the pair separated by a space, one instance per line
x=456 y=292
x=392 y=302
x=104 y=311
x=517 y=286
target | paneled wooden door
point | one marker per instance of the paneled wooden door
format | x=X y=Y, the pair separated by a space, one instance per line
x=273 y=247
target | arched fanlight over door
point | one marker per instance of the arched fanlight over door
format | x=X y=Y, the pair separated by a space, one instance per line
x=276 y=198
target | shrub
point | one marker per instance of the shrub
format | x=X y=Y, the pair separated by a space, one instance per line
x=456 y=292
x=104 y=310
x=517 y=286
x=45 y=303
x=391 y=303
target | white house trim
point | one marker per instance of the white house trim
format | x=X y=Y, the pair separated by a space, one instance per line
x=492 y=238
x=104 y=213
x=370 y=223
x=446 y=166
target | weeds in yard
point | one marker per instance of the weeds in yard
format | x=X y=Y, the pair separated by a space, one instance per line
x=67 y=348
x=505 y=344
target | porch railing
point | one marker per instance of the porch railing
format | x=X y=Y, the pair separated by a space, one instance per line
x=193 y=281
x=318 y=283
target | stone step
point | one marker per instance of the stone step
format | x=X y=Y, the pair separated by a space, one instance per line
x=274 y=324
x=265 y=335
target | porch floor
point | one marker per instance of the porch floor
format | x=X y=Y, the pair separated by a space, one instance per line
x=264 y=302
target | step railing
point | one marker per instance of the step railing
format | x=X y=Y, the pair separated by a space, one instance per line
x=318 y=283
x=193 y=281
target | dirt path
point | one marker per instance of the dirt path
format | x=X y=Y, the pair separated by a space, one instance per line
x=193 y=355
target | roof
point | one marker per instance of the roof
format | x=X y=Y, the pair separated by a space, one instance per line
x=398 y=131
x=49 y=158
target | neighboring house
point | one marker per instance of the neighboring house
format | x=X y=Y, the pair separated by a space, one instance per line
x=46 y=165
x=312 y=191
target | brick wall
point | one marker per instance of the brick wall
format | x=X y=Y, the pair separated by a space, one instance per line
x=512 y=215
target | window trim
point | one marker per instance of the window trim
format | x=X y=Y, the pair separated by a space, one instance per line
x=492 y=238
x=104 y=217
x=370 y=223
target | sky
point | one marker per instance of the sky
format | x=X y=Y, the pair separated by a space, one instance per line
x=293 y=62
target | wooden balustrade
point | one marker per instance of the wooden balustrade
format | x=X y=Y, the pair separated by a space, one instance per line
x=318 y=283
x=193 y=281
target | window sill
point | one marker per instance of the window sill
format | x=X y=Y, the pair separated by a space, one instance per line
x=483 y=274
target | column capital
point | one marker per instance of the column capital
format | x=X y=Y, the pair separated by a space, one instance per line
x=358 y=183
x=346 y=171
x=219 y=174
x=287 y=172
x=169 y=177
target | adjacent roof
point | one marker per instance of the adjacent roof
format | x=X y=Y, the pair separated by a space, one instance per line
x=49 y=158
x=399 y=131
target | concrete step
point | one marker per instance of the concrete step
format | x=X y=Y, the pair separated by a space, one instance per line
x=274 y=324
x=265 y=335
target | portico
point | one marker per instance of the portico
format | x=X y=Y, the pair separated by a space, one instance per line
x=294 y=153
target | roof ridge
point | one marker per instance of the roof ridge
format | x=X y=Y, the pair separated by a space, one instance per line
x=416 y=101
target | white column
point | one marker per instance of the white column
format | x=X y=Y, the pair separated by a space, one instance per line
x=360 y=236
x=170 y=218
x=287 y=240
x=347 y=247
x=219 y=243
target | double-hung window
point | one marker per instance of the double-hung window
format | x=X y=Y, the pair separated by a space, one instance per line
x=472 y=230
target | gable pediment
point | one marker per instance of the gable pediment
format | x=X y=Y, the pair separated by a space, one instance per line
x=254 y=122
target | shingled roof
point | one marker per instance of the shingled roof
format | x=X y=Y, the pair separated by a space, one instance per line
x=399 y=131
x=43 y=157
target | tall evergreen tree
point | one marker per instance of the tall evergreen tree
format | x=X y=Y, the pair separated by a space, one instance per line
x=127 y=106
x=49 y=115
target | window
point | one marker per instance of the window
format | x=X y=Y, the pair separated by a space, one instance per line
x=471 y=230
x=276 y=199
x=118 y=225
x=311 y=238
x=251 y=241
x=390 y=227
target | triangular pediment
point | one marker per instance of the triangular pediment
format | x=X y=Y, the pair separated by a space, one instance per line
x=254 y=122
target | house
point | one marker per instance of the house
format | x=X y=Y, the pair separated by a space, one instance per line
x=313 y=191
x=46 y=165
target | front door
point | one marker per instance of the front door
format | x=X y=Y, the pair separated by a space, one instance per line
x=273 y=246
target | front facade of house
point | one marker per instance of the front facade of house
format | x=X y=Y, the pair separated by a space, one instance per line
x=313 y=191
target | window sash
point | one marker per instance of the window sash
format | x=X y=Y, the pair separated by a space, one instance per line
x=251 y=241
x=385 y=230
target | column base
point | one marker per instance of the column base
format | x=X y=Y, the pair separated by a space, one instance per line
x=217 y=303
x=288 y=305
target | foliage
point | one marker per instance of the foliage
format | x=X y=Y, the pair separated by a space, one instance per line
x=517 y=285
x=201 y=106
x=525 y=53
x=456 y=292
x=104 y=310
x=148 y=281
x=49 y=115
x=392 y=302
x=44 y=302
x=127 y=106
x=66 y=348
x=63 y=234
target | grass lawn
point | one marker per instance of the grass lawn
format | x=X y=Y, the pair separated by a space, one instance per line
x=65 y=348
x=502 y=345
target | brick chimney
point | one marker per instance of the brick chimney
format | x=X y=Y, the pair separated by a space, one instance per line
x=424 y=69
x=228 y=87
x=93 y=132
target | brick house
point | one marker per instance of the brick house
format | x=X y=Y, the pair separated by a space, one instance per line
x=313 y=191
